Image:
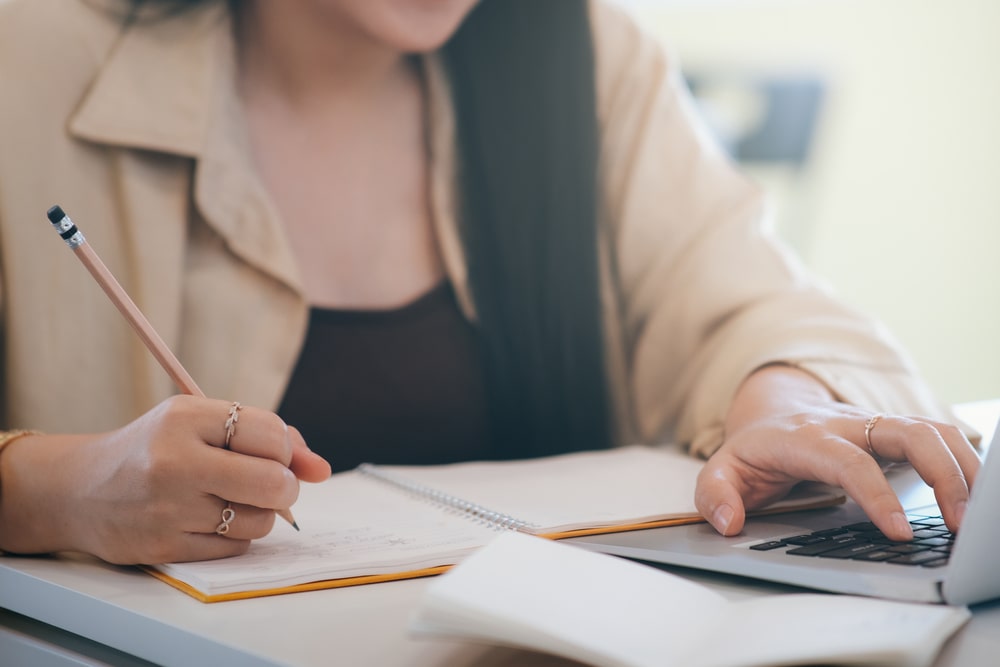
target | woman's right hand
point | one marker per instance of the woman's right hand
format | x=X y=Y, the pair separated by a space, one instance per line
x=154 y=490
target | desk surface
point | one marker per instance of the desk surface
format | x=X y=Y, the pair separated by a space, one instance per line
x=126 y=617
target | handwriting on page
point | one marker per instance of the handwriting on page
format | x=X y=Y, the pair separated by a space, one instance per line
x=349 y=528
x=361 y=543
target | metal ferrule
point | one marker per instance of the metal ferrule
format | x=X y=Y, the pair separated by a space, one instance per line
x=76 y=240
x=67 y=230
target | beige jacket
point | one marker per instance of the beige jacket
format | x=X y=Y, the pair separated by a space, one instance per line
x=139 y=137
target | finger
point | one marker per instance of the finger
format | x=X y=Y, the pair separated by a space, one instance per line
x=922 y=444
x=963 y=450
x=839 y=462
x=307 y=465
x=253 y=471
x=204 y=514
x=178 y=546
x=717 y=497
x=246 y=479
x=197 y=546
x=245 y=523
x=255 y=432
x=969 y=463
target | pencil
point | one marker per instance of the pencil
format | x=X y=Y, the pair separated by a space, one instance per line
x=75 y=240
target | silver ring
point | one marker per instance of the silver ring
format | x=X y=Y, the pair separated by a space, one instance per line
x=228 y=514
x=234 y=416
x=869 y=425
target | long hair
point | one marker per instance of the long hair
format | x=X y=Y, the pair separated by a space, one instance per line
x=522 y=75
x=522 y=79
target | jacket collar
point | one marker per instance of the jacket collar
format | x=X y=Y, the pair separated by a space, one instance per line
x=154 y=89
x=170 y=86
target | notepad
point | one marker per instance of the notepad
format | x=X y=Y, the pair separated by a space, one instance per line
x=378 y=523
x=606 y=611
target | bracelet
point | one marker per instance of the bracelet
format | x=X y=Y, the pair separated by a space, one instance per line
x=7 y=437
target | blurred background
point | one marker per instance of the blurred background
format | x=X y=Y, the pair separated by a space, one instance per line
x=874 y=125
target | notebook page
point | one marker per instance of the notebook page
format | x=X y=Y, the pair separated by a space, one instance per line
x=585 y=489
x=351 y=526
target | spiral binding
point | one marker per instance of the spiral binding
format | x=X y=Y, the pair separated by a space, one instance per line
x=493 y=520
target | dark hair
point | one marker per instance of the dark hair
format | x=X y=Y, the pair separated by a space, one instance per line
x=522 y=77
x=522 y=74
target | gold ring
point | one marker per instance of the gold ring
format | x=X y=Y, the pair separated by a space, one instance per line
x=234 y=416
x=869 y=425
x=228 y=514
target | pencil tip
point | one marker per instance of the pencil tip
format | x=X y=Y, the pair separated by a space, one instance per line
x=295 y=525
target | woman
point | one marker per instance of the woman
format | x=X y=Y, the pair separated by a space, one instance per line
x=418 y=232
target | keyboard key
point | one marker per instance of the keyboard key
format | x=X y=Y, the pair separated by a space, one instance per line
x=863 y=527
x=830 y=532
x=875 y=556
x=803 y=540
x=928 y=521
x=767 y=546
x=929 y=532
x=916 y=558
x=934 y=542
x=852 y=550
x=906 y=548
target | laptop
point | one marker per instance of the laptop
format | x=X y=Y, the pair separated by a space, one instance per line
x=837 y=549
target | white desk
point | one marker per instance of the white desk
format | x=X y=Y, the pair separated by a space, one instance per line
x=78 y=611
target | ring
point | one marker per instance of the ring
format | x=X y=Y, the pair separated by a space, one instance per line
x=228 y=514
x=234 y=416
x=869 y=425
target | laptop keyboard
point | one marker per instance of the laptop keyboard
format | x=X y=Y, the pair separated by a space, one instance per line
x=930 y=547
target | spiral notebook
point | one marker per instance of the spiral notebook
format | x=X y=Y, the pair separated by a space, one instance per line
x=379 y=523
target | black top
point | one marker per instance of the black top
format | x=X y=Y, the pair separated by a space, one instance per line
x=402 y=386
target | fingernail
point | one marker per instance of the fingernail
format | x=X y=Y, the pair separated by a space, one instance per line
x=901 y=525
x=722 y=517
x=960 y=510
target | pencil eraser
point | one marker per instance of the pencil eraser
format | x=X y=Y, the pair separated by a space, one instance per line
x=56 y=214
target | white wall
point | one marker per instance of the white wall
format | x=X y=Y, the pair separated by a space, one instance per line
x=899 y=207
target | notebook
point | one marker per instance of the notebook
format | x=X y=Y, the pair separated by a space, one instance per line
x=828 y=550
x=377 y=523
x=611 y=612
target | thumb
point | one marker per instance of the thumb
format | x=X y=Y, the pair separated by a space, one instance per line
x=307 y=465
x=718 y=500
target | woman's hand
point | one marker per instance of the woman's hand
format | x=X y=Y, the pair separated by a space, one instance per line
x=784 y=427
x=154 y=491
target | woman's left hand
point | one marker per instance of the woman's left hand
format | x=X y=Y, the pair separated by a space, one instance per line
x=785 y=427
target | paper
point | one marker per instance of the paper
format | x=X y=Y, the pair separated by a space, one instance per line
x=602 y=610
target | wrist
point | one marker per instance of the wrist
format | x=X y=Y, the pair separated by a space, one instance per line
x=34 y=517
x=775 y=390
